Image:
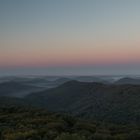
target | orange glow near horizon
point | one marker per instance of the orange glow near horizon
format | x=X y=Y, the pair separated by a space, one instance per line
x=68 y=52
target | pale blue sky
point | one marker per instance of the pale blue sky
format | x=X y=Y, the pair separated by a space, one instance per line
x=70 y=36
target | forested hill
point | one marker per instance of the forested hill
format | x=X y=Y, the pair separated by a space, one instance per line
x=117 y=103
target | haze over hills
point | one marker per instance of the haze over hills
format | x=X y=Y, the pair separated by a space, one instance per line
x=21 y=86
x=98 y=79
x=128 y=80
x=14 y=86
x=47 y=83
x=16 y=89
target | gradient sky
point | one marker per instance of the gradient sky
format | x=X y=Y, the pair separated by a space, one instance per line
x=57 y=37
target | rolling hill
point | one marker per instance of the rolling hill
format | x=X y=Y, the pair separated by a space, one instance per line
x=117 y=103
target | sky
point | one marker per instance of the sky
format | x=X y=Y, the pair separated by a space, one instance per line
x=70 y=37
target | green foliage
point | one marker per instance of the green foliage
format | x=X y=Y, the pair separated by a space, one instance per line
x=67 y=136
x=24 y=123
x=85 y=126
x=32 y=135
x=134 y=135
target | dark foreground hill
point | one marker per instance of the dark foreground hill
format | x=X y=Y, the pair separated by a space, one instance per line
x=21 y=123
x=113 y=103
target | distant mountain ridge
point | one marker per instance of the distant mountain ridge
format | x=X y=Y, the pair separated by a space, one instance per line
x=128 y=80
